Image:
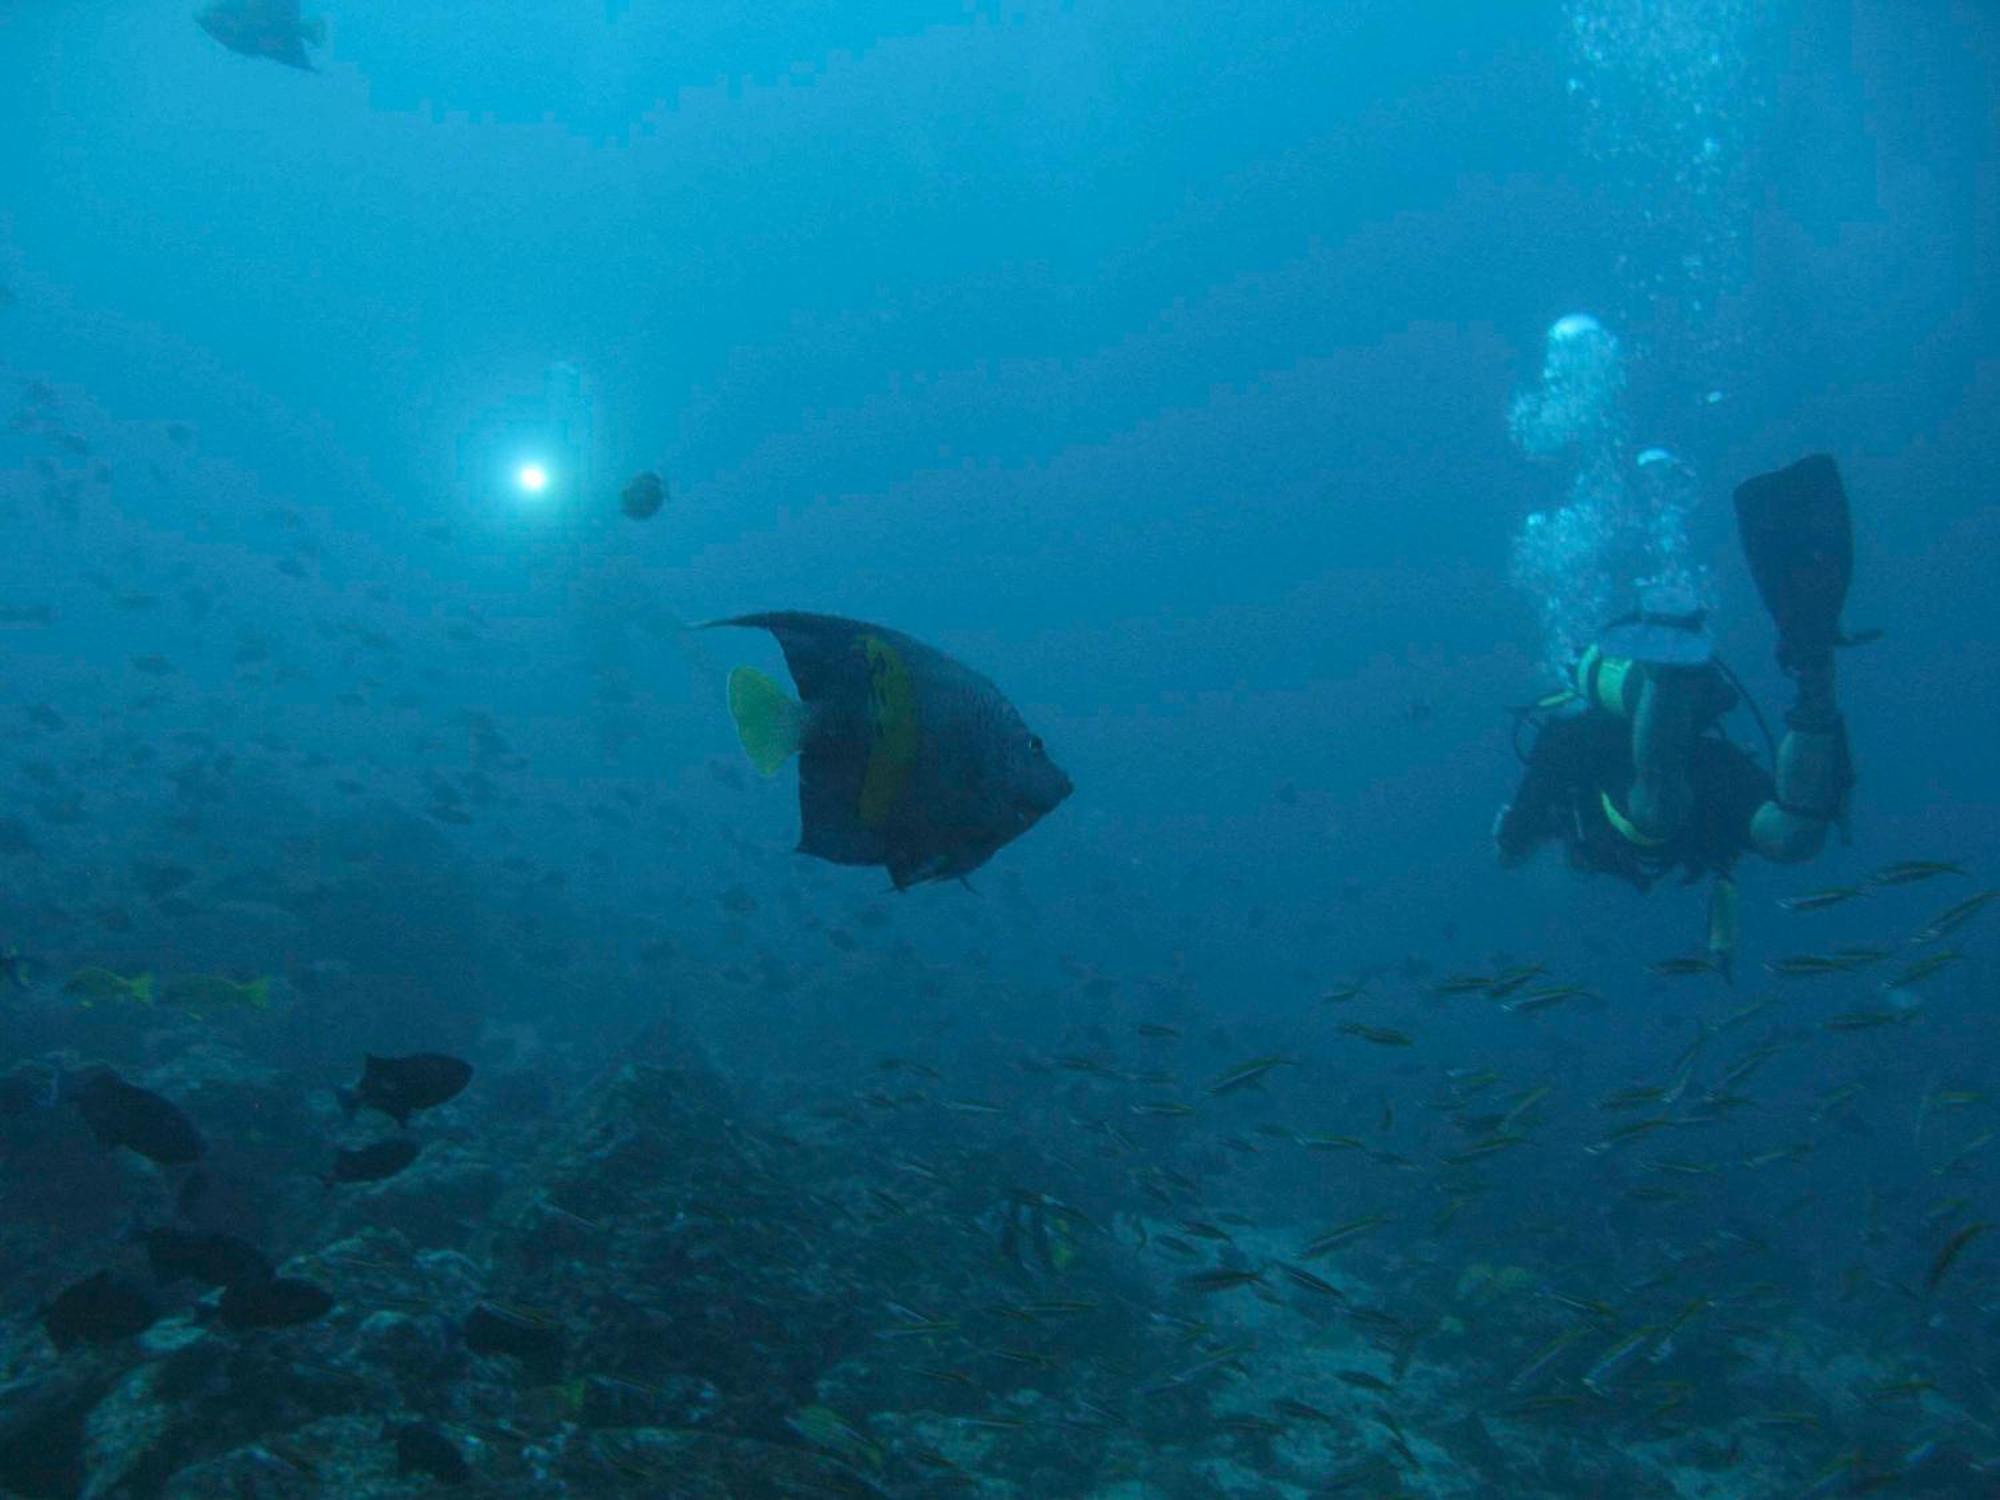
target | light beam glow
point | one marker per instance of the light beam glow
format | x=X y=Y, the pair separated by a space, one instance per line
x=532 y=478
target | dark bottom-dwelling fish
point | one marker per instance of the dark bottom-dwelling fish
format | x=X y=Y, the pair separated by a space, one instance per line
x=212 y=1259
x=374 y=1162
x=907 y=759
x=400 y=1086
x=123 y=1114
x=275 y=1302
x=100 y=1309
x=422 y=1449
x=530 y=1337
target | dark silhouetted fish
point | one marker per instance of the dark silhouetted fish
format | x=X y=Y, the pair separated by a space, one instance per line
x=275 y=1302
x=422 y=1449
x=264 y=28
x=374 y=1162
x=99 y=1309
x=28 y=1088
x=400 y=1086
x=212 y=1259
x=194 y=1192
x=123 y=1114
x=643 y=496
x=537 y=1342
x=19 y=1095
x=907 y=759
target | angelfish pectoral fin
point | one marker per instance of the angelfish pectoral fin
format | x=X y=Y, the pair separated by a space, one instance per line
x=769 y=721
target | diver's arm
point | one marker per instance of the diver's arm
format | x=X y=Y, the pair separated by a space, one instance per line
x=1812 y=772
x=1512 y=842
x=1532 y=817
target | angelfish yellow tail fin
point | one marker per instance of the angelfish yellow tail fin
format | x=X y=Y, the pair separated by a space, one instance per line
x=768 y=719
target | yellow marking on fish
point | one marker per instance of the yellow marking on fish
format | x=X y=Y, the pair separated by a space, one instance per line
x=892 y=727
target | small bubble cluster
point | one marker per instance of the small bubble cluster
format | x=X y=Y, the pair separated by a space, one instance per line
x=1622 y=524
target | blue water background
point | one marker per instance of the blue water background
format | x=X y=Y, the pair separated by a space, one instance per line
x=1153 y=359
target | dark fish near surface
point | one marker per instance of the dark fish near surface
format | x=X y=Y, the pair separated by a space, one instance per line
x=20 y=1094
x=1806 y=965
x=1301 y=1277
x=374 y=1162
x=1952 y=918
x=1381 y=1036
x=1923 y=968
x=1820 y=900
x=1223 y=1279
x=1340 y=1235
x=99 y=1309
x=1462 y=984
x=123 y=1114
x=907 y=759
x=400 y=1086
x=643 y=495
x=264 y=28
x=422 y=1449
x=1536 y=1000
x=1682 y=968
x=276 y=1302
x=213 y=1259
x=1248 y=1074
x=1953 y=1248
x=1910 y=871
x=1505 y=983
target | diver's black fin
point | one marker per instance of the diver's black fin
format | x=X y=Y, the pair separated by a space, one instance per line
x=1799 y=541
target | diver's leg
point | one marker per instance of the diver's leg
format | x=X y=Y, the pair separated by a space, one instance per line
x=1663 y=732
x=1812 y=774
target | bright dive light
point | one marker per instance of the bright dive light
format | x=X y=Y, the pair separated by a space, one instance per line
x=533 y=478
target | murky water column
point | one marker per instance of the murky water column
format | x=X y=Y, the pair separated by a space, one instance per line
x=1669 y=105
x=1671 y=100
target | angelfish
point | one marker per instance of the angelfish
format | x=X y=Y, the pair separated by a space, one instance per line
x=907 y=759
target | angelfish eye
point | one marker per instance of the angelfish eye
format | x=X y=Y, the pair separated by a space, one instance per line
x=1035 y=744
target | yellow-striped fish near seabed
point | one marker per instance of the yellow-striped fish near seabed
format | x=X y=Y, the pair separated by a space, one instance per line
x=90 y=985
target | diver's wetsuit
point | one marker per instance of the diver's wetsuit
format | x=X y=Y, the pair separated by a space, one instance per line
x=1578 y=776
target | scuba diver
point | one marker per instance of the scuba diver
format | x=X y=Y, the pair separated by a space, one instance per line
x=1630 y=768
